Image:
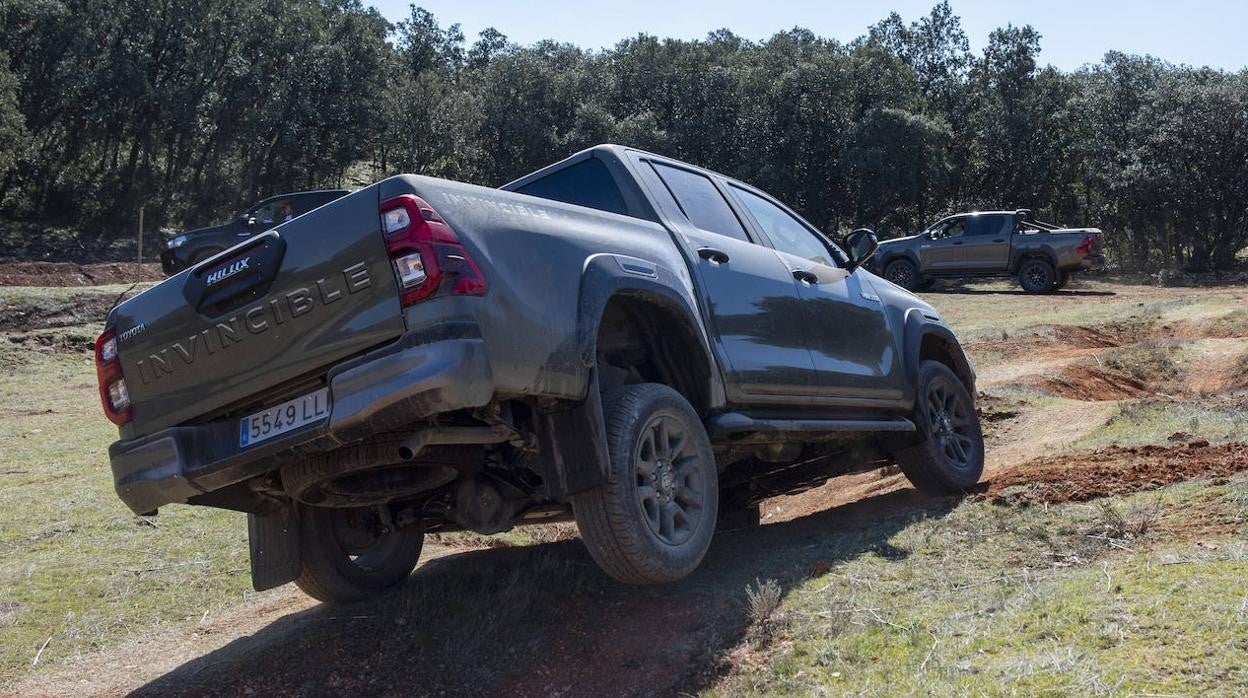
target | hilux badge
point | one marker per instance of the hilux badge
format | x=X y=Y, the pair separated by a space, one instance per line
x=227 y=271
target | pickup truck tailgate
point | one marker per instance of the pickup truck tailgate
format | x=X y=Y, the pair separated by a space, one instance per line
x=282 y=305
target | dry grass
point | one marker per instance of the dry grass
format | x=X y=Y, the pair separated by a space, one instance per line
x=762 y=600
x=1077 y=599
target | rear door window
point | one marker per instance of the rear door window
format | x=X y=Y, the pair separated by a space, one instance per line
x=587 y=183
x=987 y=224
x=700 y=201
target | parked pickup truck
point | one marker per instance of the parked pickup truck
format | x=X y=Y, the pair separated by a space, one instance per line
x=992 y=243
x=619 y=338
x=194 y=246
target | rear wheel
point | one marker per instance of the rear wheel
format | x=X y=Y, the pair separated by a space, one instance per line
x=951 y=456
x=351 y=555
x=653 y=519
x=1037 y=276
x=903 y=273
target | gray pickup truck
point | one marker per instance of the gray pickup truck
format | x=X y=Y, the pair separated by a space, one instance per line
x=619 y=338
x=1040 y=255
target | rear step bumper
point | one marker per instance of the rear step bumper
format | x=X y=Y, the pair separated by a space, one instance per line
x=381 y=391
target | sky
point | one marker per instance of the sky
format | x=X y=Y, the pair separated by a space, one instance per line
x=1074 y=32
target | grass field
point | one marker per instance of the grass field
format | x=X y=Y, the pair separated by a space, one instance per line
x=1014 y=590
x=77 y=570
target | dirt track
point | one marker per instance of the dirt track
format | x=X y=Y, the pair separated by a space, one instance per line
x=71 y=274
x=488 y=622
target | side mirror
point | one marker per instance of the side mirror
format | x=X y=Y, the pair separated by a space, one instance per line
x=249 y=221
x=860 y=245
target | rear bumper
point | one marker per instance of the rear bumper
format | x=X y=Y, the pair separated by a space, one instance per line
x=381 y=391
x=1092 y=262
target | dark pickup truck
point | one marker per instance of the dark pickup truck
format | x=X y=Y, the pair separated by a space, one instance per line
x=1040 y=255
x=194 y=246
x=619 y=338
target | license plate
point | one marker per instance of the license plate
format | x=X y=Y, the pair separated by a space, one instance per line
x=282 y=418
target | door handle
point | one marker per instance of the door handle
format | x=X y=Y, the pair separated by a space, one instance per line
x=805 y=276
x=999 y=240
x=713 y=255
x=957 y=242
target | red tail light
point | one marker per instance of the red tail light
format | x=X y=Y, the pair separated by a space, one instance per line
x=114 y=396
x=1085 y=247
x=429 y=260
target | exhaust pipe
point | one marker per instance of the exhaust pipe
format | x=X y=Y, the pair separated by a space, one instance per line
x=411 y=446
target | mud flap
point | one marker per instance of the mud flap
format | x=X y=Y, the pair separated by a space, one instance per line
x=573 y=446
x=274 y=543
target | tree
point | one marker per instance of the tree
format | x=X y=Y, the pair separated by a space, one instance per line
x=12 y=123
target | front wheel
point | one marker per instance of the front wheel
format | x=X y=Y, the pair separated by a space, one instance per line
x=351 y=554
x=653 y=519
x=950 y=458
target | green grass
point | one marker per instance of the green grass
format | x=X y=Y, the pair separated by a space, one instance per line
x=980 y=316
x=992 y=600
x=1153 y=421
x=1018 y=313
x=78 y=571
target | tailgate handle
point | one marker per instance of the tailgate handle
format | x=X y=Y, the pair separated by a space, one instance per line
x=235 y=277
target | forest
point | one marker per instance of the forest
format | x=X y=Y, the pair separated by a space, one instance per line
x=191 y=109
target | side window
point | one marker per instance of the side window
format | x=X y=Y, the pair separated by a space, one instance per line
x=264 y=213
x=700 y=201
x=786 y=232
x=953 y=229
x=587 y=183
x=989 y=224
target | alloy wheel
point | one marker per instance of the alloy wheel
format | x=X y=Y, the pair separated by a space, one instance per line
x=951 y=424
x=671 y=480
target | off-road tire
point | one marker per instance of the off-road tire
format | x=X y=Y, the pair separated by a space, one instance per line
x=311 y=480
x=337 y=567
x=622 y=521
x=950 y=458
x=903 y=273
x=1037 y=276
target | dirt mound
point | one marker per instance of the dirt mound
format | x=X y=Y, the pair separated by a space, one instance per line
x=81 y=308
x=70 y=274
x=1092 y=384
x=1115 y=470
x=1219 y=375
x=1047 y=341
x=1080 y=337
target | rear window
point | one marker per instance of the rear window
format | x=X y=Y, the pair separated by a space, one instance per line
x=587 y=183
